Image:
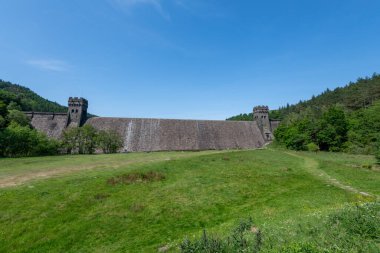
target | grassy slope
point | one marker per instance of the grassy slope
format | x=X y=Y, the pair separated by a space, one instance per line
x=80 y=212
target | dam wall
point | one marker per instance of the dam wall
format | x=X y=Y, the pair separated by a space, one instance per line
x=141 y=135
x=170 y=134
x=52 y=124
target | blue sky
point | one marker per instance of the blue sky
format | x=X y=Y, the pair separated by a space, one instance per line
x=203 y=59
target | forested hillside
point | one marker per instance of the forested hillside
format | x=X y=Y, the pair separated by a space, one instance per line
x=27 y=99
x=353 y=96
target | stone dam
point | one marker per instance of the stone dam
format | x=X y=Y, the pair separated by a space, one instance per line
x=142 y=135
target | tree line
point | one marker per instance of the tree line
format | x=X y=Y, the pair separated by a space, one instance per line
x=332 y=128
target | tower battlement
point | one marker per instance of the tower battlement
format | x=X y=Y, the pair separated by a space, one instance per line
x=76 y=102
x=261 y=109
x=77 y=112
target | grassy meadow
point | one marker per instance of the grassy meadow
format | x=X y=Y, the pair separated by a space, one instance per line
x=142 y=202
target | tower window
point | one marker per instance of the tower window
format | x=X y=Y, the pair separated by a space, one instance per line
x=72 y=110
x=76 y=110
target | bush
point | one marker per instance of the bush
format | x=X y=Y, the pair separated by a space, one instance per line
x=80 y=140
x=46 y=146
x=312 y=147
x=109 y=141
x=17 y=141
x=86 y=139
x=87 y=144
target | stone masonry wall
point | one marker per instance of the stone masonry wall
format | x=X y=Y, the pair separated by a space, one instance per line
x=167 y=134
x=274 y=124
x=52 y=124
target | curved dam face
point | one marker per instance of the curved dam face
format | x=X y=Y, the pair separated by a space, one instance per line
x=169 y=134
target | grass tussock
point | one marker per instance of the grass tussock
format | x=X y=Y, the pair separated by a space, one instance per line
x=101 y=196
x=137 y=177
x=244 y=238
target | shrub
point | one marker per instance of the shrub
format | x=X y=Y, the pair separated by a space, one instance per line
x=80 y=140
x=17 y=140
x=46 y=146
x=312 y=147
x=109 y=141
x=70 y=140
x=87 y=140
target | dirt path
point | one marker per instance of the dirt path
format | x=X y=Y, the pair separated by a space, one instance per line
x=311 y=165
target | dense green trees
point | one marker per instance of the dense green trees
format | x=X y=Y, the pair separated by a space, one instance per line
x=332 y=129
x=109 y=141
x=79 y=140
x=86 y=139
x=17 y=138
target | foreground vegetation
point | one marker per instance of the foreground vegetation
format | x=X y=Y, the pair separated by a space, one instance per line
x=350 y=229
x=145 y=202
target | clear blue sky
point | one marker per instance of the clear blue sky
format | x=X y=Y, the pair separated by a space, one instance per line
x=205 y=59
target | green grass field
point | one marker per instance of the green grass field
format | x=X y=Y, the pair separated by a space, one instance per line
x=98 y=204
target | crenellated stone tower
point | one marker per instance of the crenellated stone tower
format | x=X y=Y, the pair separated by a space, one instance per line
x=77 y=113
x=261 y=116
